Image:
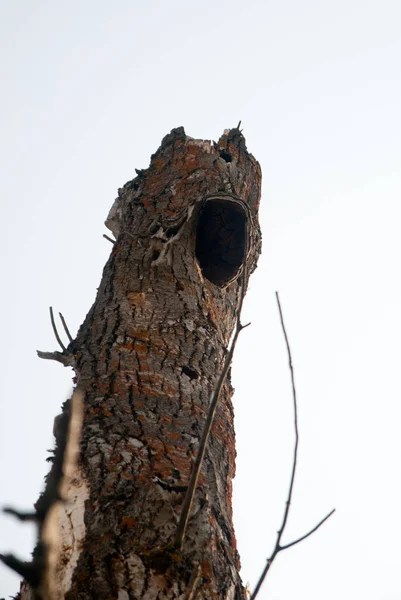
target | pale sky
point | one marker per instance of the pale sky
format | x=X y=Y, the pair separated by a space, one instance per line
x=89 y=88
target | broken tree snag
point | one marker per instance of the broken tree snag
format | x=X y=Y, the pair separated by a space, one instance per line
x=44 y=575
x=148 y=356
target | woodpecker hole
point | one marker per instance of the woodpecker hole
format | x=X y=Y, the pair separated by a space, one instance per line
x=155 y=254
x=226 y=156
x=189 y=372
x=220 y=240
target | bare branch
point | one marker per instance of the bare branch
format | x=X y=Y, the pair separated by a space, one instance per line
x=55 y=330
x=278 y=547
x=214 y=398
x=21 y=516
x=65 y=327
x=309 y=533
x=27 y=570
x=106 y=237
x=294 y=398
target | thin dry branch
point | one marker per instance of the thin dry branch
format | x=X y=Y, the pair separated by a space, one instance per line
x=278 y=547
x=21 y=516
x=106 y=237
x=303 y=537
x=65 y=327
x=65 y=357
x=214 y=398
x=64 y=349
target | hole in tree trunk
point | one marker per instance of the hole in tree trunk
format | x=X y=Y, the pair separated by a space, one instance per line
x=189 y=372
x=220 y=240
x=226 y=156
x=155 y=254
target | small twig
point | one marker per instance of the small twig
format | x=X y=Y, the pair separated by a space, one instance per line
x=65 y=327
x=278 y=547
x=214 y=398
x=106 y=237
x=21 y=516
x=27 y=570
x=309 y=533
x=55 y=330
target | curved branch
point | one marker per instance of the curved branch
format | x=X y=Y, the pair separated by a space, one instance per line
x=64 y=349
x=294 y=398
x=106 y=237
x=278 y=547
x=309 y=533
x=65 y=327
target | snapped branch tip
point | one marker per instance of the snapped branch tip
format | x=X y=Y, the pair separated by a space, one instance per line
x=106 y=237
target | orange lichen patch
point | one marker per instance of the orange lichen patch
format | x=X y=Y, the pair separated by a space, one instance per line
x=156 y=445
x=207 y=570
x=109 y=486
x=158 y=349
x=158 y=163
x=141 y=349
x=127 y=475
x=127 y=522
x=169 y=391
x=173 y=350
x=163 y=468
x=150 y=390
x=198 y=411
x=165 y=419
x=181 y=463
x=138 y=334
x=156 y=378
x=128 y=345
x=203 y=481
x=112 y=468
x=173 y=436
x=115 y=459
x=94 y=411
x=119 y=387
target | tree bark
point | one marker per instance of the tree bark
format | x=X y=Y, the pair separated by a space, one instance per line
x=147 y=358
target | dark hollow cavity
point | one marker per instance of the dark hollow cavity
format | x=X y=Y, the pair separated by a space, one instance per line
x=220 y=240
x=226 y=156
x=189 y=372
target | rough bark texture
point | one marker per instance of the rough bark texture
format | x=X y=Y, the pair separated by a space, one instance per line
x=147 y=358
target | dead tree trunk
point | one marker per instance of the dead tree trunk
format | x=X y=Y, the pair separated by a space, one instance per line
x=147 y=358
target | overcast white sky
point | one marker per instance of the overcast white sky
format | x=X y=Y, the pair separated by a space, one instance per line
x=89 y=88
